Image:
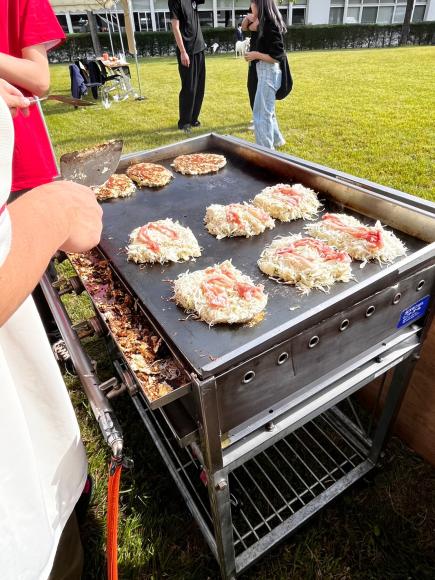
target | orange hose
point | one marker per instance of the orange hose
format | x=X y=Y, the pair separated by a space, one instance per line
x=112 y=519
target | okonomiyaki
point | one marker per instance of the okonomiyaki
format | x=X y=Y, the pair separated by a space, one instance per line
x=288 y=202
x=199 y=163
x=220 y=295
x=149 y=174
x=118 y=185
x=359 y=241
x=162 y=241
x=237 y=219
x=305 y=262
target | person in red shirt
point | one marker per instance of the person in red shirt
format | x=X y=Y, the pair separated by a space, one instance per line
x=28 y=29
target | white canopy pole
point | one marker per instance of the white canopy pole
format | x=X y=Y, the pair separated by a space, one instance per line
x=129 y=28
x=110 y=34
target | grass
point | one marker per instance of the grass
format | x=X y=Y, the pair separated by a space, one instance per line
x=364 y=112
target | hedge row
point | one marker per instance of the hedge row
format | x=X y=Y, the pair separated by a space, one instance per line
x=297 y=38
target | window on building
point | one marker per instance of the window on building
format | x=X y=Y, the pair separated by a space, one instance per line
x=418 y=14
x=399 y=15
x=162 y=20
x=298 y=16
x=352 y=15
x=206 y=18
x=369 y=15
x=336 y=15
x=79 y=22
x=145 y=21
x=61 y=18
x=385 y=14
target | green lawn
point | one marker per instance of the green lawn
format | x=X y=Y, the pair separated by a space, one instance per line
x=364 y=112
x=367 y=112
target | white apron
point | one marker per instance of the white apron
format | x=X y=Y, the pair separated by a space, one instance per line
x=42 y=460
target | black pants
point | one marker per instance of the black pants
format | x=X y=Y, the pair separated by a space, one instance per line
x=252 y=83
x=192 y=88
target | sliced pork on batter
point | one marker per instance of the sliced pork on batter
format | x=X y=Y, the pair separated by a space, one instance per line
x=149 y=174
x=288 y=202
x=220 y=295
x=306 y=263
x=162 y=241
x=359 y=241
x=237 y=219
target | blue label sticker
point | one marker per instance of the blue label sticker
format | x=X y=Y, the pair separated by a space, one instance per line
x=416 y=310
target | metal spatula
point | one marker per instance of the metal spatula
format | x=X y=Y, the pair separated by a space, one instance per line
x=92 y=166
x=63 y=99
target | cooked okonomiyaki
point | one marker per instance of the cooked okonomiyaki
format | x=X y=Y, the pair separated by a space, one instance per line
x=288 y=202
x=306 y=263
x=199 y=163
x=237 y=219
x=359 y=241
x=118 y=185
x=162 y=241
x=220 y=294
x=149 y=174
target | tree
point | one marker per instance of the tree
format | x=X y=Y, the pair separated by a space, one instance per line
x=407 y=21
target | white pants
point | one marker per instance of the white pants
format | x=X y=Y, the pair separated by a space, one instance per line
x=43 y=464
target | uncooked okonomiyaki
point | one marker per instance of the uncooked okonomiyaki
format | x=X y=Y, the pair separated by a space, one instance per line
x=359 y=241
x=220 y=294
x=288 y=202
x=237 y=219
x=199 y=163
x=118 y=185
x=305 y=262
x=149 y=174
x=162 y=241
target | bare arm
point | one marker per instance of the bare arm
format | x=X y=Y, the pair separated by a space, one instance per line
x=30 y=72
x=179 y=40
x=57 y=215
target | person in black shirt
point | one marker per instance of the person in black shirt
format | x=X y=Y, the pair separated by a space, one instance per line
x=239 y=33
x=268 y=55
x=191 y=60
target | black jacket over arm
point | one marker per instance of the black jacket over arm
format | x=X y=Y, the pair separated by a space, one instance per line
x=270 y=41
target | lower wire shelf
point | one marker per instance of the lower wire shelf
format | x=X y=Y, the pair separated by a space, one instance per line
x=274 y=492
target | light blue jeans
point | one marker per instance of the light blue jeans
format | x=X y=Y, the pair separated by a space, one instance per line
x=267 y=132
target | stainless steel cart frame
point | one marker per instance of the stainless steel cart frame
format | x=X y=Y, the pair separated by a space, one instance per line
x=251 y=478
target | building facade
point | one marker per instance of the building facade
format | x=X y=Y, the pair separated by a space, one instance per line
x=154 y=14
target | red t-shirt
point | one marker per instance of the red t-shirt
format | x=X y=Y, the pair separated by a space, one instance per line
x=24 y=23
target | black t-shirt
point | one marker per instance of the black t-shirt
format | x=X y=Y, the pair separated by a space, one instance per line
x=186 y=12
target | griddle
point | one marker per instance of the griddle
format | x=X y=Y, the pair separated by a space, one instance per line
x=212 y=350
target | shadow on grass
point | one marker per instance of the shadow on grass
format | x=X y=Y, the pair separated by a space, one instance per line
x=92 y=535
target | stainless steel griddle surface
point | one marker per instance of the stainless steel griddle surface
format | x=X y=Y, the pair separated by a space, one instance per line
x=185 y=199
